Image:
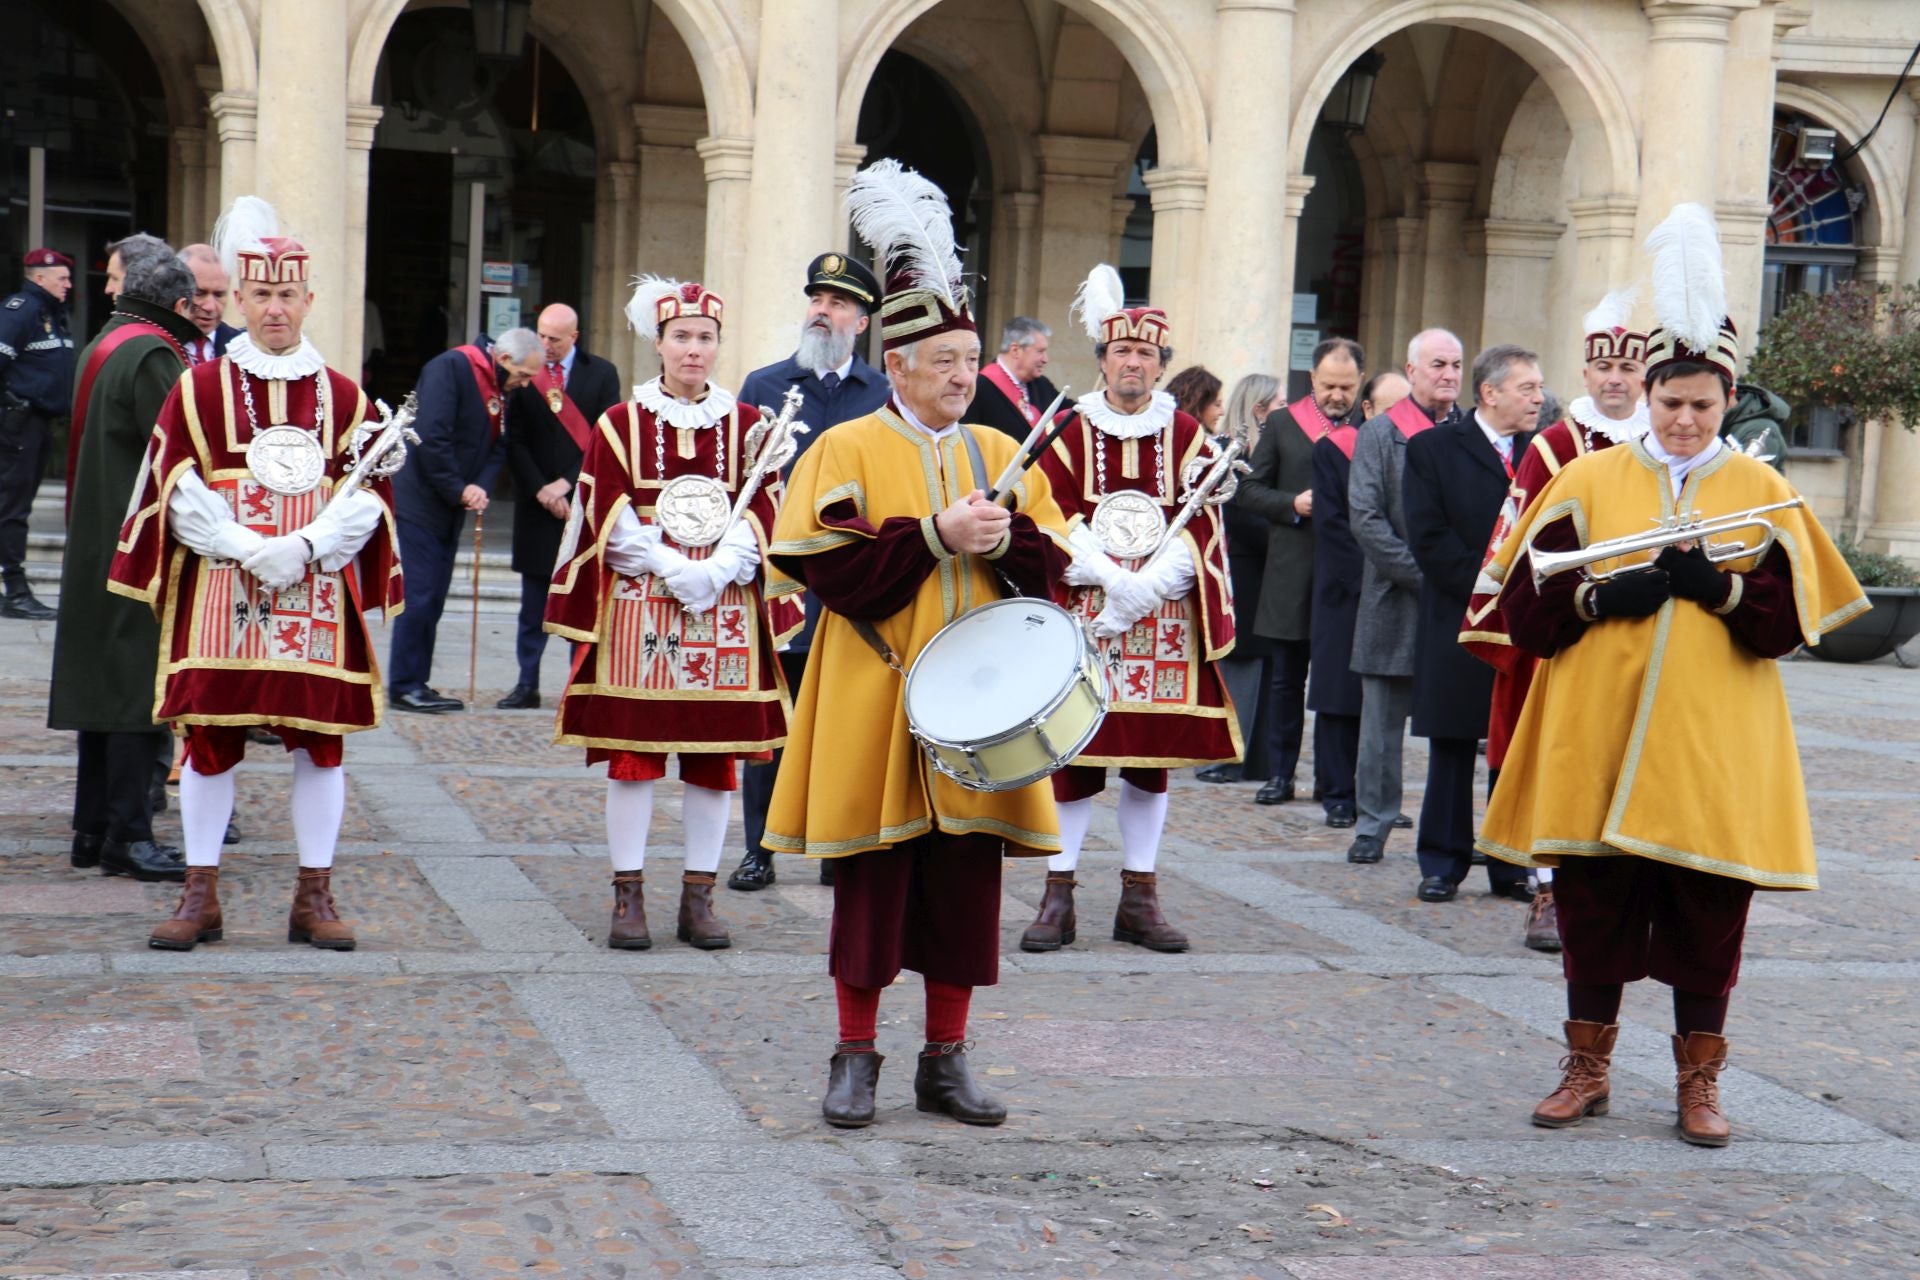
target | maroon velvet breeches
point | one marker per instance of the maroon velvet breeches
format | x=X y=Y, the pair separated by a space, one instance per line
x=931 y=905
x=1626 y=918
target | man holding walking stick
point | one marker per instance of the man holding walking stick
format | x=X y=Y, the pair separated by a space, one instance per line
x=463 y=395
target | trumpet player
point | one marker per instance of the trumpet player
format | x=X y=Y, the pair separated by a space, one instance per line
x=665 y=592
x=1659 y=681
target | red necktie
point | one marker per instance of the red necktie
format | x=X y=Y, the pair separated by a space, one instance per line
x=558 y=372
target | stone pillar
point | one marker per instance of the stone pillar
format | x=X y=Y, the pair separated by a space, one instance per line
x=1446 y=297
x=1015 y=288
x=663 y=215
x=362 y=120
x=1745 y=158
x=1518 y=295
x=1247 y=274
x=790 y=211
x=1179 y=198
x=187 y=218
x=1682 y=104
x=603 y=324
x=236 y=120
x=1896 y=498
x=301 y=166
x=1078 y=177
x=729 y=169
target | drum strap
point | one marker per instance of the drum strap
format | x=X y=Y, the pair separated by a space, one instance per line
x=864 y=629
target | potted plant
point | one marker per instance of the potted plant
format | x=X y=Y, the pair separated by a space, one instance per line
x=1893 y=587
x=1853 y=353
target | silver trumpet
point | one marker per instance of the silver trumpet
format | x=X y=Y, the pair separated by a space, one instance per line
x=1686 y=527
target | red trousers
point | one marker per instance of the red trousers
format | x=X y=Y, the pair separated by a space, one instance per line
x=1084 y=781
x=710 y=769
x=216 y=748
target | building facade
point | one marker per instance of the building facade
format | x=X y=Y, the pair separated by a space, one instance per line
x=1269 y=170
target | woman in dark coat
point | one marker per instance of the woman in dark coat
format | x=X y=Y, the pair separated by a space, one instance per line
x=1248 y=668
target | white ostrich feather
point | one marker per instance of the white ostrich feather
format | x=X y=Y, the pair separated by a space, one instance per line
x=906 y=219
x=1689 y=282
x=1099 y=297
x=643 y=309
x=243 y=226
x=1614 y=312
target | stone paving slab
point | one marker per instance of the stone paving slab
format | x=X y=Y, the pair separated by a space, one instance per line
x=115 y=1050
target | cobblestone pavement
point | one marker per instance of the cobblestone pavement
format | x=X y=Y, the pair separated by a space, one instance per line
x=1332 y=1085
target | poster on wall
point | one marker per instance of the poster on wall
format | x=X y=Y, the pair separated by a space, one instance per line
x=502 y=314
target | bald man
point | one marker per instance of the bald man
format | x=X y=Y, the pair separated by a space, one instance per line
x=211 y=288
x=548 y=424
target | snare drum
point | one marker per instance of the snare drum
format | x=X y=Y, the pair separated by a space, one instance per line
x=1006 y=694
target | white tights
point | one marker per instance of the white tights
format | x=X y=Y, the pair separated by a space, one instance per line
x=1142 y=815
x=319 y=801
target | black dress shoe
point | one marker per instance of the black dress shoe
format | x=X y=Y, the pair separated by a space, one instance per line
x=754 y=872
x=142 y=859
x=427 y=700
x=522 y=697
x=851 y=1077
x=944 y=1084
x=1518 y=890
x=1366 y=849
x=1218 y=773
x=21 y=604
x=1275 y=791
x=1435 y=889
x=1401 y=822
x=86 y=850
x=232 y=835
x=264 y=737
x=1340 y=815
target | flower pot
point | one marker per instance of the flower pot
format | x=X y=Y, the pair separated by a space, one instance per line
x=1894 y=620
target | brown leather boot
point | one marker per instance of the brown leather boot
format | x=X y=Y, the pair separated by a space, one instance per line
x=1054 y=927
x=1543 y=922
x=944 y=1084
x=852 y=1074
x=1139 y=920
x=699 y=927
x=197 y=918
x=1584 y=1090
x=628 y=932
x=1699 y=1059
x=313 y=919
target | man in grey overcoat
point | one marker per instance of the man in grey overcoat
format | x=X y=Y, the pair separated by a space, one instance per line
x=1383 y=634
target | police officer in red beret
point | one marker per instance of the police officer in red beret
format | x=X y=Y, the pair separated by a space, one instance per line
x=36 y=388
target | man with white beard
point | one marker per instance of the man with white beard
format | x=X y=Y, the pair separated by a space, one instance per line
x=836 y=385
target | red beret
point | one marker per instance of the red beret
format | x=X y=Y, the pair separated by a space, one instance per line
x=47 y=258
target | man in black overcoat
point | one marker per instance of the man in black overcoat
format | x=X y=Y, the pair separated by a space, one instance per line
x=1456 y=481
x=1013 y=390
x=1280 y=490
x=552 y=419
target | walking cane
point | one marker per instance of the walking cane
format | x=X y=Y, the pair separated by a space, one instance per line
x=473 y=646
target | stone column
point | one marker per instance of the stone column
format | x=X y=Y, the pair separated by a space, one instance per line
x=1179 y=198
x=790 y=204
x=187 y=218
x=1682 y=104
x=362 y=120
x=1746 y=153
x=236 y=120
x=664 y=215
x=1014 y=290
x=301 y=164
x=604 y=324
x=1517 y=301
x=1247 y=276
x=729 y=169
x=1078 y=177
x=1896 y=498
x=1446 y=298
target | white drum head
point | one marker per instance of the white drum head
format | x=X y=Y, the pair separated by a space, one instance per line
x=993 y=669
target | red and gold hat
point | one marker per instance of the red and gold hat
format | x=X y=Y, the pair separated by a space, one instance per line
x=272 y=260
x=1690 y=295
x=907 y=221
x=1608 y=335
x=657 y=302
x=1101 y=305
x=248 y=241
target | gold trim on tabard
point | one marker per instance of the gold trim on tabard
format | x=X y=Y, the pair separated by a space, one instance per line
x=668 y=748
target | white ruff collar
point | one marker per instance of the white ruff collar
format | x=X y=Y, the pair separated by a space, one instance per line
x=301 y=362
x=1633 y=427
x=1152 y=420
x=717 y=404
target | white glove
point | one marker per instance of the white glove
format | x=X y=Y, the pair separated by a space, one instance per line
x=663 y=561
x=280 y=562
x=631 y=545
x=339 y=532
x=1132 y=595
x=737 y=558
x=1091 y=565
x=693 y=584
x=235 y=541
x=1109 y=625
x=1171 y=576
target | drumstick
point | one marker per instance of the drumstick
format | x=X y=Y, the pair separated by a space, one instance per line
x=1038 y=441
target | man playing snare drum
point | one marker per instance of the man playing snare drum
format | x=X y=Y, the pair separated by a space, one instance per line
x=886 y=524
x=1160 y=622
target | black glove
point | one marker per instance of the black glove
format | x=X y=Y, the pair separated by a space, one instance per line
x=1637 y=594
x=1693 y=576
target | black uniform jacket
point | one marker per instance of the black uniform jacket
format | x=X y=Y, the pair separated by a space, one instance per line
x=539 y=451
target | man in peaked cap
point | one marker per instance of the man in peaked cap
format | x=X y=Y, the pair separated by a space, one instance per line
x=36 y=389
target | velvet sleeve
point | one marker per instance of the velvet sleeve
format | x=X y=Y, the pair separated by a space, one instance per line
x=1760 y=610
x=1032 y=562
x=876 y=575
x=1544 y=621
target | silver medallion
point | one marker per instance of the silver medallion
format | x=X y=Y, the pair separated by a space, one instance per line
x=693 y=510
x=1129 y=524
x=286 y=460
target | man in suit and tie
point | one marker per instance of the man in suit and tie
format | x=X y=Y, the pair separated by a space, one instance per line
x=1383 y=631
x=461 y=421
x=1012 y=391
x=553 y=418
x=836 y=386
x=211 y=288
x=1457 y=477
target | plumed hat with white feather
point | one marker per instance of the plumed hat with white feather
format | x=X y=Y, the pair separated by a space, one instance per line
x=906 y=220
x=657 y=300
x=1690 y=295
x=247 y=238
x=1101 y=305
x=1609 y=335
